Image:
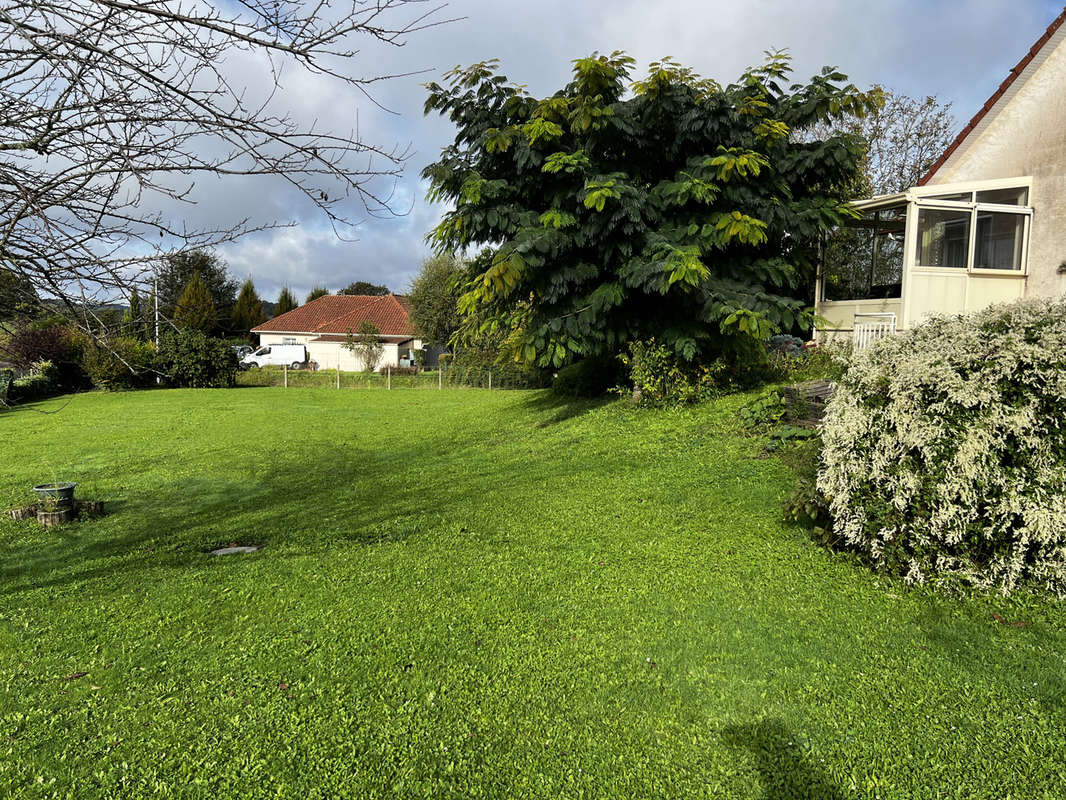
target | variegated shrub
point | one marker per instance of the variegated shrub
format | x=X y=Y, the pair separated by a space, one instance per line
x=945 y=449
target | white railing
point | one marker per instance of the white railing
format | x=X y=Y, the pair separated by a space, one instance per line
x=868 y=328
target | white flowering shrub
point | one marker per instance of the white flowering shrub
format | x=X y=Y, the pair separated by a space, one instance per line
x=945 y=449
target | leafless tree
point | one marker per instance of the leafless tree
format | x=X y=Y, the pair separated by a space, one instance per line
x=903 y=140
x=113 y=109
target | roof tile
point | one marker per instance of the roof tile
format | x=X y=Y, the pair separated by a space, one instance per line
x=337 y=313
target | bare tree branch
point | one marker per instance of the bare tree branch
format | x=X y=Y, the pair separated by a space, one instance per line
x=111 y=106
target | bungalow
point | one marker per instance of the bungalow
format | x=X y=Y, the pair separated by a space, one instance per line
x=986 y=224
x=323 y=326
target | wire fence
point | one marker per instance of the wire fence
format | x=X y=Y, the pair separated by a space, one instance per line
x=453 y=378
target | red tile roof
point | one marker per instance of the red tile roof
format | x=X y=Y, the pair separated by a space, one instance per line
x=337 y=313
x=1002 y=90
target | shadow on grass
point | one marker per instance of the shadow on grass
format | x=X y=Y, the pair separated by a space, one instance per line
x=563 y=408
x=311 y=500
x=785 y=773
x=1026 y=660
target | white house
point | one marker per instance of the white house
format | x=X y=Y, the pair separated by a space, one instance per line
x=323 y=326
x=986 y=224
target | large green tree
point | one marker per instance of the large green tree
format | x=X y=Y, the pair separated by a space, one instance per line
x=248 y=312
x=136 y=317
x=174 y=273
x=195 y=309
x=316 y=292
x=673 y=207
x=433 y=299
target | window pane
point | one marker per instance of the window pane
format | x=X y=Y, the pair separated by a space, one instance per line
x=999 y=241
x=887 y=276
x=1005 y=197
x=959 y=197
x=864 y=259
x=943 y=238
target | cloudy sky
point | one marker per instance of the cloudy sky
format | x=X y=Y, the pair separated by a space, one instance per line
x=958 y=50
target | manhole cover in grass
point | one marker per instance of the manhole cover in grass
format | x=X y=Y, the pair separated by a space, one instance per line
x=235 y=549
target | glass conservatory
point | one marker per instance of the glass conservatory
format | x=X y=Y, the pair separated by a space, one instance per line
x=931 y=249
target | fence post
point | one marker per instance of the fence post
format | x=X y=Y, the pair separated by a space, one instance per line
x=285 y=367
x=490 y=379
x=440 y=376
x=338 y=374
x=388 y=384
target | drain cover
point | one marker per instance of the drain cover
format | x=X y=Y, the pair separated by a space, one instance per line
x=235 y=549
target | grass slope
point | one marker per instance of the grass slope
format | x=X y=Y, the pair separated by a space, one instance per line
x=473 y=594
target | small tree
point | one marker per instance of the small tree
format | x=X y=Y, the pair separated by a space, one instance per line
x=286 y=302
x=195 y=309
x=365 y=288
x=249 y=310
x=433 y=299
x=175 y=272
x=134 y=321
x=366 y=345
x=317 y=292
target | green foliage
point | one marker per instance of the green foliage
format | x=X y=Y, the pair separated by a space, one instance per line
x=433 y=299
x=17 y=295
x=190 y=358
x=249 y=309
x=766 y=410
x=286 y=302
x=121 y=363
x=945 y=453
x=51 y=340
x=660 y=379
x=137 y=319
x=366 y=345
x=316 y=292
x=195 y=309
x=176 y=272
x=365 y=288
x=684 y=211
x=44 y=379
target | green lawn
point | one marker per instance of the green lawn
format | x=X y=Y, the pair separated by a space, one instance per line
x=473 y=594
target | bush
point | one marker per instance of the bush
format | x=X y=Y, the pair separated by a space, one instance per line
x=659 y=378
x=52 y=341
x=121 y=363
x=43 y=380
x=945 y=453
x=591 y=377
x=398 y=370
x=193 y=359
x=471 y=364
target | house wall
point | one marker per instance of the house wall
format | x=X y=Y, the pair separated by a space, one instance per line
x=1025 y=134
x=329 y=354
x=840 y=314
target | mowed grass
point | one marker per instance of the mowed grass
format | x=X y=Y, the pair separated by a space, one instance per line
x=479 y=594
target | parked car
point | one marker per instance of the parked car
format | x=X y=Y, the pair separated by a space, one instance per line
x=293 y=356
x=242 y=350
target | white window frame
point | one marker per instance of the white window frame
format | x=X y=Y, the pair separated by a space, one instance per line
x=922 y=198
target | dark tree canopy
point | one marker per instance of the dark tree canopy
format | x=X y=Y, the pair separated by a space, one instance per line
x=365 y=287
x=286 y=302
x=316 y=292
x=248 y=312
x=16 y=294
x=135 y=319
x=176 y=271
x=683 y=210
x=433 y=299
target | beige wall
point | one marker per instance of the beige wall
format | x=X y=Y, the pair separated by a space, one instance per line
x=328 y=354
x=840 y=314
x=1025 y=134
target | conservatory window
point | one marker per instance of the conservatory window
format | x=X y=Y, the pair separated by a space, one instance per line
x=999 y=240
x=943 y=238
x=864 y=259
x=1018 y=196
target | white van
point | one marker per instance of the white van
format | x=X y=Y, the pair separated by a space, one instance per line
x=292 y=355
